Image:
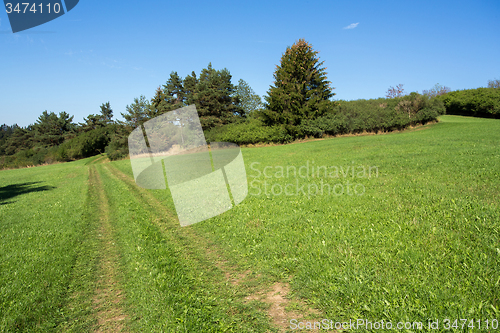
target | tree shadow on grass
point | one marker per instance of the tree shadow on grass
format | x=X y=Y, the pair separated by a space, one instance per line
x=11 y=191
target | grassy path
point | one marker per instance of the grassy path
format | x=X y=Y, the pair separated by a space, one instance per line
x=83 y=249
x=47 y=249
x=108 y=298
x=247 y=290
x=173 y=279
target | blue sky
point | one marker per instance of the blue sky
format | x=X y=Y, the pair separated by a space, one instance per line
x=117 y=50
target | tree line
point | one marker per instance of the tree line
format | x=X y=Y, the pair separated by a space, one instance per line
x=55 y=137
x=298 y=104
x=218 y=101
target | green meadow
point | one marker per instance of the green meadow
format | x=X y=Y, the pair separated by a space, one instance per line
x=399 y=227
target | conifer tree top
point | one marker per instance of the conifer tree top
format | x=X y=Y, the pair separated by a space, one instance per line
x=300 y=89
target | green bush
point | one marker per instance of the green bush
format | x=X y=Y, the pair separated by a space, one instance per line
x=117 y=148
x=28 y=157
x=480 y=102
x=118 y=144
x=375 y=115
x=358 y=116
x=250 y=131
x=86 y=144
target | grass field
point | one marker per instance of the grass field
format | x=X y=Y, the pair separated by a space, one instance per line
x=412 y=235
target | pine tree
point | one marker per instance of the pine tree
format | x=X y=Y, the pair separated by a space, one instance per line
x=215 y=100
x=95 y=121
x=106 y=113
x=52 y=130
x=21 y=138
x=300 y=89
x=169 y=97
x=137 y=112
x=174 y=91
x=249 y=100
x=190 y=92
x=158 y=105
x=5 y=133
x=92 y=121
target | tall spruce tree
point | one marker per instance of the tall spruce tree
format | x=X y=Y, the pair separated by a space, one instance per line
x=300 y=89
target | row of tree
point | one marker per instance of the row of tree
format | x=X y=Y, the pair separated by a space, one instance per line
x=218 y=101
x=49 y=130
x=479 y=102
x=298 y=104
x=54 y=137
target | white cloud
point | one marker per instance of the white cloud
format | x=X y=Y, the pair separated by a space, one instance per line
x=351 y=26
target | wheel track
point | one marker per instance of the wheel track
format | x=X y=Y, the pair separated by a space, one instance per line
x=109 y=296
x=210 y=255
x=169 y=224
x=207 y=262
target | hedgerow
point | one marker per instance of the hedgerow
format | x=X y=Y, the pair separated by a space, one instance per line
x=480 y=102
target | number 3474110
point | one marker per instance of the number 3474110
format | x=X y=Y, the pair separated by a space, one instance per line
x=27 y=7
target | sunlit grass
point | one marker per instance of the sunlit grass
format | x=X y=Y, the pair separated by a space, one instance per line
x=46 y=248
x=420 y=242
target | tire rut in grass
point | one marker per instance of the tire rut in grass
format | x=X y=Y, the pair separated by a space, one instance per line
x=250 y=286
x=187 y=237
x=108 y=300
x=101 y=159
